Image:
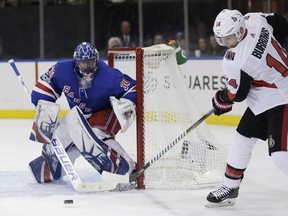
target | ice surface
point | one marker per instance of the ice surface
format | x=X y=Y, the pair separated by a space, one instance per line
x=264 y=190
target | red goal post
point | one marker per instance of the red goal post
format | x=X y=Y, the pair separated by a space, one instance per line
x=139 y=104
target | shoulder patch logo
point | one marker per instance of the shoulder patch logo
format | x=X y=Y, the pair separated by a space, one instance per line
x=50 y=72
x=230 y=55
x=247 y=17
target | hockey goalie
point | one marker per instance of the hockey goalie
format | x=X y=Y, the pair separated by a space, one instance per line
x=91 y=89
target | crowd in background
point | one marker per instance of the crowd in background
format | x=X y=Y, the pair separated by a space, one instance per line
x=26 y=33
x=202 y=44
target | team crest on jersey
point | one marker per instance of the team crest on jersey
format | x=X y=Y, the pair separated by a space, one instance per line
x=125 y=84
x=218 y=23
x=233 y=83
x=230 y=55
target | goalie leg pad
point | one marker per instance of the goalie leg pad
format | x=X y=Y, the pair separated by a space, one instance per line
x=40 y=170
x=52 y=165
x=102 y=155
x=47 y=167
x=122 y=163
x=52 y=161
x=44 y=121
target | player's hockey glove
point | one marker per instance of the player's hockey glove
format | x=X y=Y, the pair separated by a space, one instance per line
x=221 y=106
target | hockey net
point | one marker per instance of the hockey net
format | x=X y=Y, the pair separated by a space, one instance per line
x=165 y=109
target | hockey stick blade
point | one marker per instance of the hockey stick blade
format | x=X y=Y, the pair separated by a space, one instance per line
x=94 y=187
x=134 y=175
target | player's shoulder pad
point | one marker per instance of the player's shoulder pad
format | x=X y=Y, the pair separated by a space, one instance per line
x=103 y=67
x=64 y=66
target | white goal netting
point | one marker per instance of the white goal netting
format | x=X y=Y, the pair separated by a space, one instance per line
x=169 y=110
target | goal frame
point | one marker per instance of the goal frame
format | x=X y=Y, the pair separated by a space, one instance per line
x=194 y=164
x=139 y=103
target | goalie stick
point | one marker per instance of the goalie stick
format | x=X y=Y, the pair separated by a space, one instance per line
x=15 y=69
x=134 y=175
x=64 y=159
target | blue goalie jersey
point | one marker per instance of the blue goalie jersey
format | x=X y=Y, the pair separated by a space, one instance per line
x=62 y=78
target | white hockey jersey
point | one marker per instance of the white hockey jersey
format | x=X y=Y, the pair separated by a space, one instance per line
x=261 y=57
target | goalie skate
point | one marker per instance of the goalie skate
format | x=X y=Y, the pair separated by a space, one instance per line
x=223 y=196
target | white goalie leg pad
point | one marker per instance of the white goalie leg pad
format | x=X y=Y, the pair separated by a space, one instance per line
x=101 y=155
x=124 y=110
x=48 y=151
x=113 y=144
x=44 y=121
x=280 y=159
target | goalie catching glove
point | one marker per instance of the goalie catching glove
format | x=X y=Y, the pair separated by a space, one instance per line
x=220 y=105
x=124 y=110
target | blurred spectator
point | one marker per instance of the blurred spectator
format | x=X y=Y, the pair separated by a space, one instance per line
x=180 y=39
x=126 y=36
x=216 y=50
x=202 y=30
x=114 y=42
x=148 y=41
x=158 y=39
x=203 y=48
x=199 y=32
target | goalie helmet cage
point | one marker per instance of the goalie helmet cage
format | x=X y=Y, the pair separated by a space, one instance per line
x=165 y=109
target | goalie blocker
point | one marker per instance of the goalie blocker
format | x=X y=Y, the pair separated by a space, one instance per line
x=77 y=137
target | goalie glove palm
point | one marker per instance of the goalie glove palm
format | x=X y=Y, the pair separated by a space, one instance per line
x=124 y=110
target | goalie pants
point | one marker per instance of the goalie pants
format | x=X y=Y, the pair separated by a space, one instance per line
x=272 y=125
x=106 y=121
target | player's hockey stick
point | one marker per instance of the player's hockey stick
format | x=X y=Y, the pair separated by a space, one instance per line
x=12 y=63
x=137 y=173
x=64 y=159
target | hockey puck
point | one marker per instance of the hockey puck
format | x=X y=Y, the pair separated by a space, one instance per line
x=68 y=202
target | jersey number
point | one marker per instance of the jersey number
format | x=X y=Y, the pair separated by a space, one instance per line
x=272 y=62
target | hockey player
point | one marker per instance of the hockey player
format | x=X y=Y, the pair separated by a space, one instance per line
x=88 y=85
x=255 y=66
